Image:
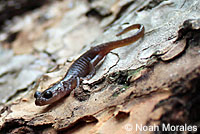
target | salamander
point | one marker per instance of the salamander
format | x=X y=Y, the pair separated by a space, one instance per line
x=84 y=67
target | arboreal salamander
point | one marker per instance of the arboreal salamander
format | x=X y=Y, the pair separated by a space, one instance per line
x=84 y=67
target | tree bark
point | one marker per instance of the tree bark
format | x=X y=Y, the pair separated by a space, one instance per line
x=152 y=82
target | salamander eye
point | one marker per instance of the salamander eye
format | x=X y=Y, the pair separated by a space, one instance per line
x=37 y=94
x=47 y=94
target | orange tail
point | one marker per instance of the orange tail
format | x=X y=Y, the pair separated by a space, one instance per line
x=123 y=42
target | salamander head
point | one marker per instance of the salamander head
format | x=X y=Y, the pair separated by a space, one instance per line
x=50 y=95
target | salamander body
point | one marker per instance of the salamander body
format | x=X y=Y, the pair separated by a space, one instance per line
x=84 y=67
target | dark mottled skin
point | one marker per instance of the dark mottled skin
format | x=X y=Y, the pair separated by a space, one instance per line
x=84 y=67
